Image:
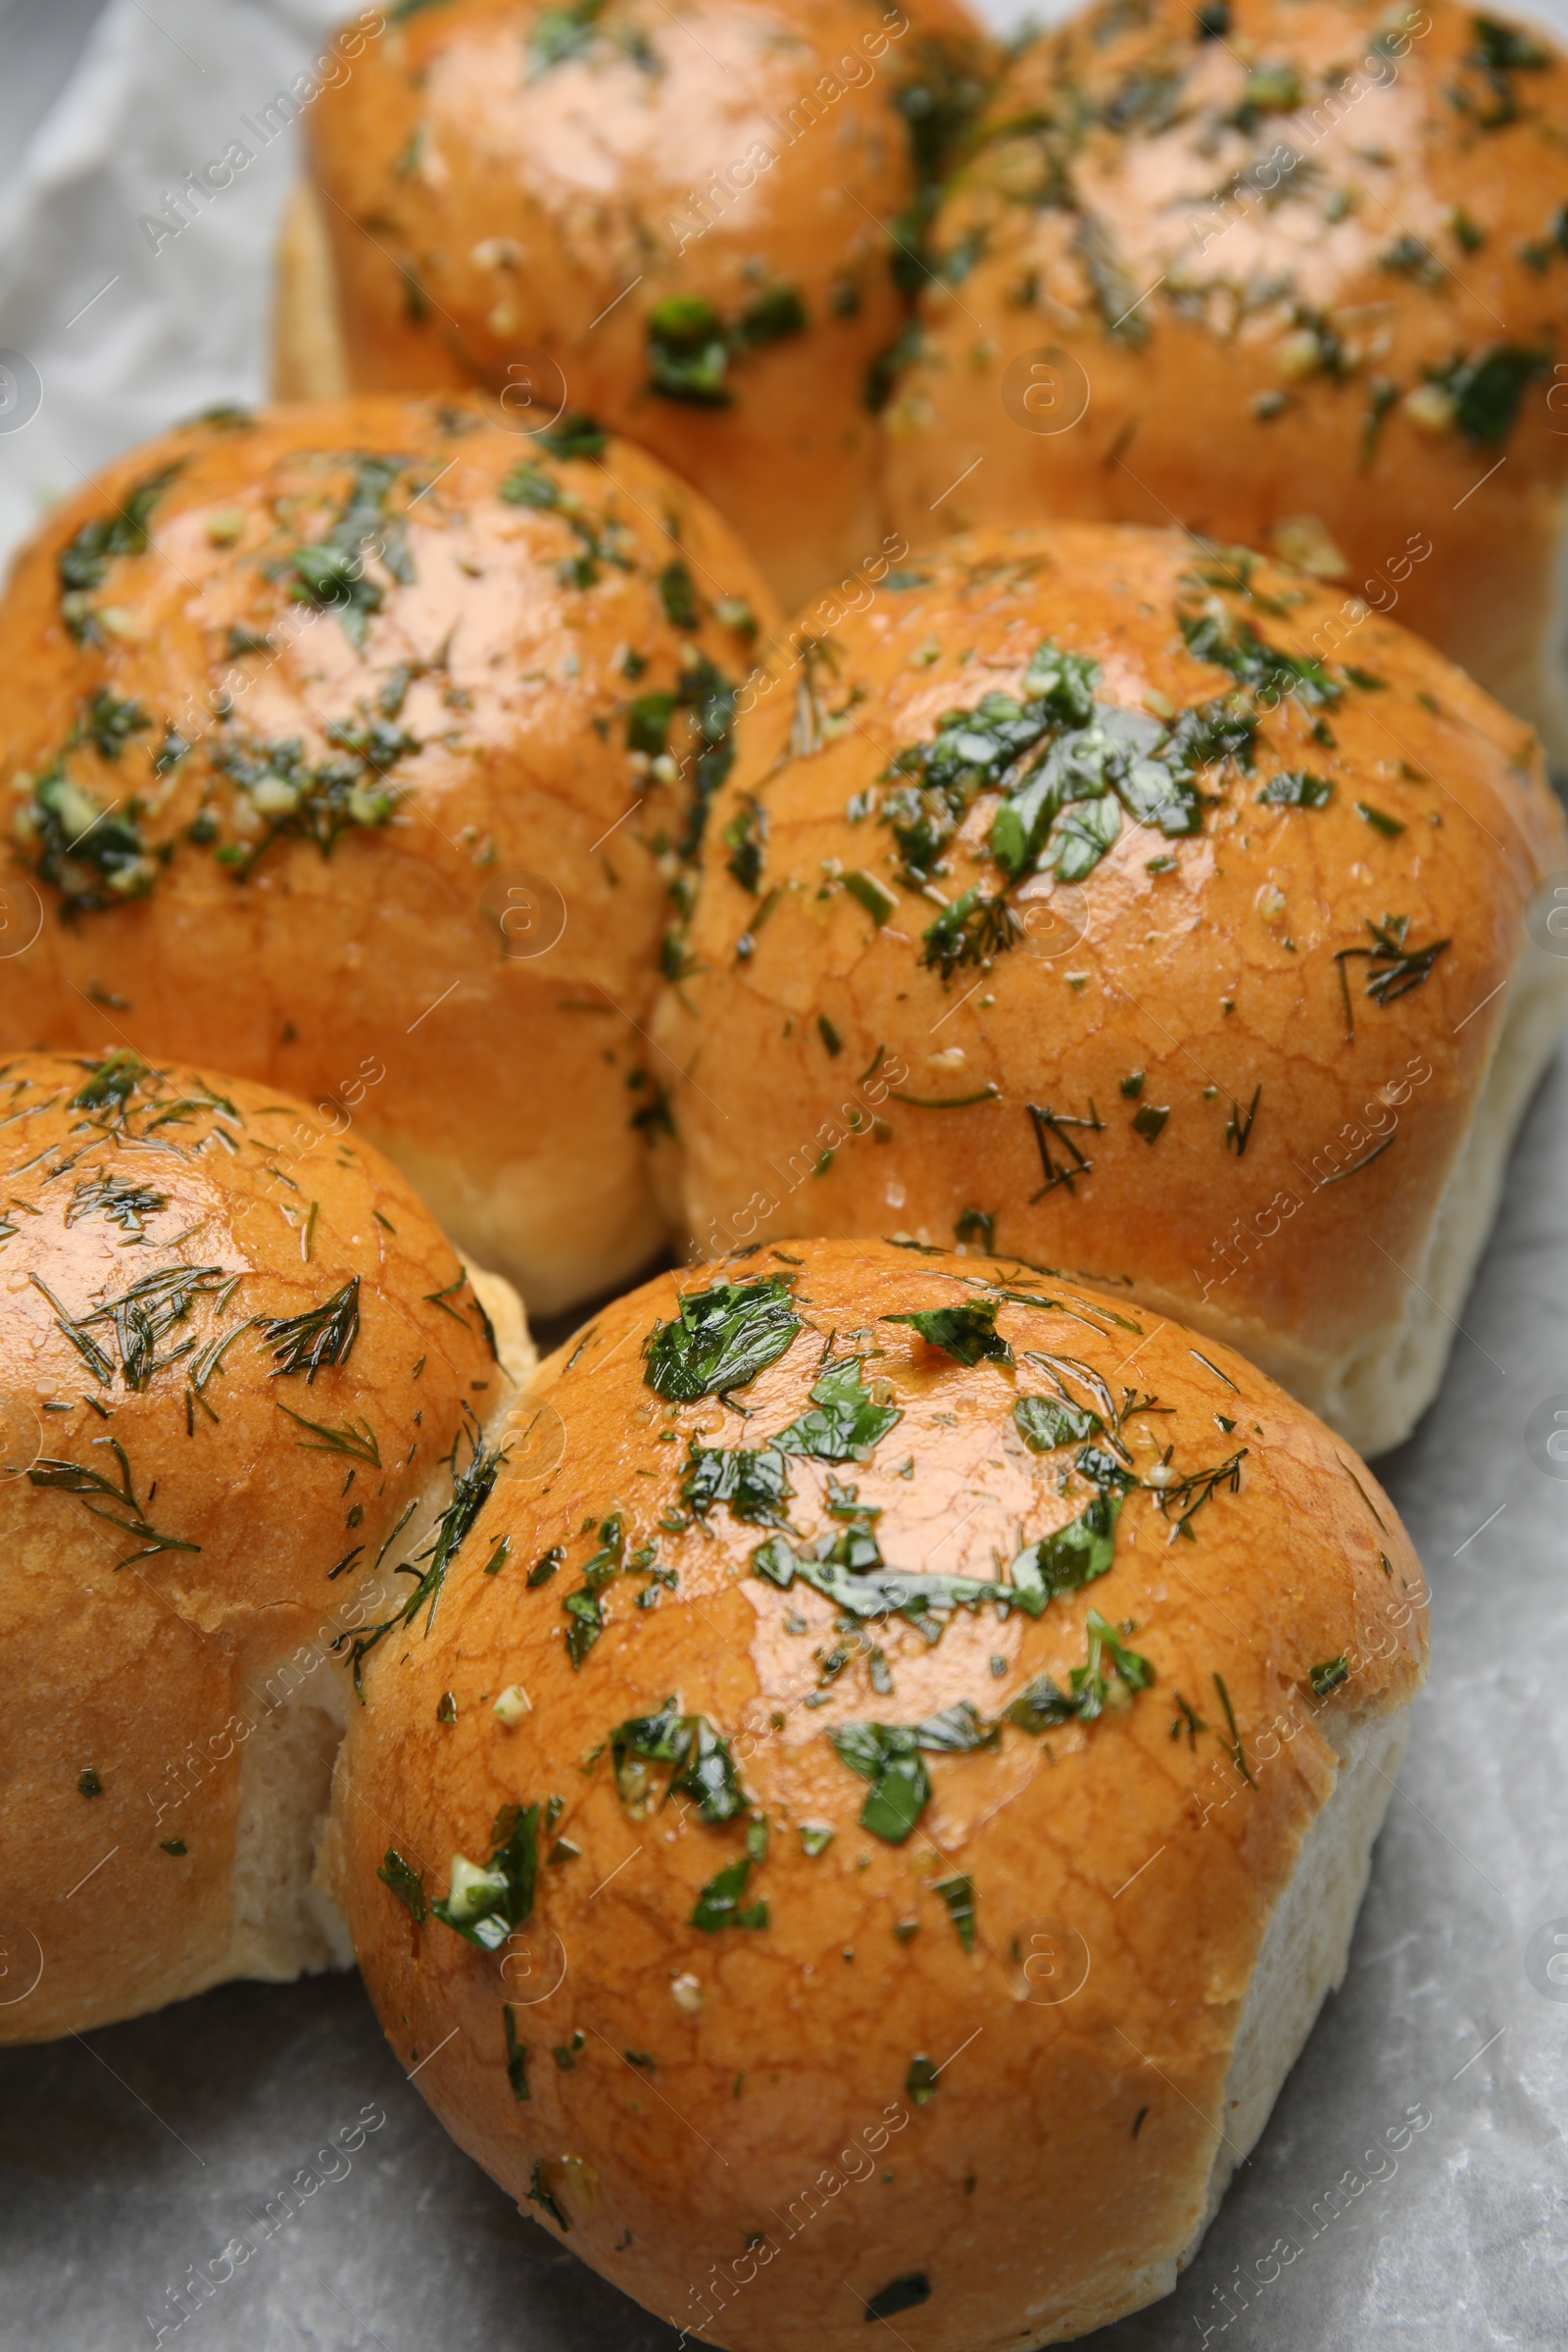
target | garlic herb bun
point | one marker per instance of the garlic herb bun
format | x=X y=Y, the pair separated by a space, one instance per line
x=232 y=1362
x=878 y=1842
x=1093 y=902
x=1286 y=272
x=375 y=731
x=682 y=211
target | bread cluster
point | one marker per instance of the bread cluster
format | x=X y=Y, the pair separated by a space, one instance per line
x=849 y=1782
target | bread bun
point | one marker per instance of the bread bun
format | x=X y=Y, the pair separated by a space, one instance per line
x=1258 y=1062
x=232 y=1364
x=684 y=214
x=862 y=2021
x=372 y=737
x=1286 y=272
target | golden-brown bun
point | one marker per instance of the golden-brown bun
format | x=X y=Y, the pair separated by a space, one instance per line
x=369 y=825
x=1161 y=1082
x=1002 y=2068
x=193 y=1514
x=481 y=203
x=1284 y=331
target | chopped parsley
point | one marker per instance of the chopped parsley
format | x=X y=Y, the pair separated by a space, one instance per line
x=576 y=434
x=899 y=2294
x=965 y=1333
x=320 y=800
x=405 y=1883
x=516 y=2055
x=93 y=855
x=330 y=573
x=1234 y=643
x=957 y=1894
x=82 y=564
x=755 y=1484
x=704 y=1768
x=1294 y=788
x=1074 y=1556
x=721 y=1339
x=843 y=1423
x=483 y=1904
x=690 y=348
x=1046 y=1422
x=720 y=1904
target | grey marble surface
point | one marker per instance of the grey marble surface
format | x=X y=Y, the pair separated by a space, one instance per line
x=138 y=2152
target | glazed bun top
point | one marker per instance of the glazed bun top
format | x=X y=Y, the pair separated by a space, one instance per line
x=225 y=1361
x=1297 y=272
x=682 y=211
x=1086 y=894
x=316 y=728
x=971 y=1589
x=233 y=1366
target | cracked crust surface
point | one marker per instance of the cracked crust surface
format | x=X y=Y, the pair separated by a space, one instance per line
x=187 y=1525
x=474 y=934
x=1288 y=1200
x=694 y=2093
x=1249 y=256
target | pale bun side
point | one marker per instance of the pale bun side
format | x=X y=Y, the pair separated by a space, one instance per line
x=309 y=358
x=496 y=195
x=192 y=1521
x=1282 y=271
x=1102 y=1938
x=364 y=742
x=1261 y=1066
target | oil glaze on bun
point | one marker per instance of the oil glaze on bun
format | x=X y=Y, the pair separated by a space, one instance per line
x=1247 y=1032
x=683 y=209
x=1301 y=269
x=232 y=1364
x=915 y=1912
x=373 y=732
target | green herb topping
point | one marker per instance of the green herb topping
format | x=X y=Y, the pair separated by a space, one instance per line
x=92 y=853
x=471 y=1491
x=720 y=1904
x=330 y=572
x=82 y=564
x=965 y=1333
x=690 y=348
x=957 y=1894
x=321 y=1335
x=845 y=1423
x=755 y=1484
x=407 y=1883
x=703 y=1767
x=721 y=1339
x=484 y=1904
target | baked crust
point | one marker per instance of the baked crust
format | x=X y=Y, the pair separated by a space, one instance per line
x=1247 y=1100
x=729 y=2128
x=498 y=178
x=1298 y=226
x=192 y=1515
x=187 y=731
